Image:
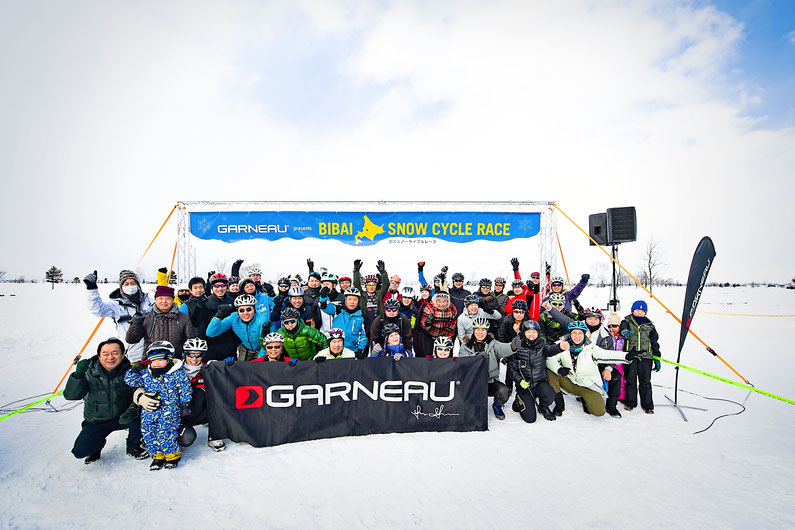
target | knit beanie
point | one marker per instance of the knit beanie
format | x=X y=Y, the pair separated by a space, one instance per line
x=126 y=275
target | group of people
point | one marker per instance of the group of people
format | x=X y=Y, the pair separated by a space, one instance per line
x=151 y=384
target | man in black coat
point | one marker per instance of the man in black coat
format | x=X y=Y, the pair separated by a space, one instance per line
x=217 y=303
x=108 y=405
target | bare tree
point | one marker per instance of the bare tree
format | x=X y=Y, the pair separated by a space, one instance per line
x=220 y=265
x=653 y=263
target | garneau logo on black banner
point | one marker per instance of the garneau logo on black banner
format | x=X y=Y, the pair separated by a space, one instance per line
x=283 y=396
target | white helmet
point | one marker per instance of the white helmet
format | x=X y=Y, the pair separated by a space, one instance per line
x=295 y=290
x=254 y=270
x=272 y=337
x=244 y=300
x=556 y=279
x=352 y=291
x=195 y=344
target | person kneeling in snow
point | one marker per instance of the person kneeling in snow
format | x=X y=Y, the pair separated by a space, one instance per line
x=108 y=402
x=164 y=380
x=194 y=350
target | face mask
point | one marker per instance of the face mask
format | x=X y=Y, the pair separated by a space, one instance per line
x=129 y=290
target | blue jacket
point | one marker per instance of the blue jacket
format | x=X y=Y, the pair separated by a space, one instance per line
x=352 y=323
x=249 y=333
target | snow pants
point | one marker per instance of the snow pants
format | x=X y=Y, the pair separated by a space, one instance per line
x=244 y=354
x=638 y=373
x=592 y=399
x=526 y=404
x=93 y=436
x=159 y=429
x=500 y=392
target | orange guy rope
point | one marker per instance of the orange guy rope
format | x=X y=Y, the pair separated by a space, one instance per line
x=74 y=361
x=158 y=233
x=566 y=270
x=654 y=297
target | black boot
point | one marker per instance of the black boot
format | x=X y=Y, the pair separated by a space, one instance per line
x=93 y=458
x=157 y=464
x=560 y=405
x=171 y=464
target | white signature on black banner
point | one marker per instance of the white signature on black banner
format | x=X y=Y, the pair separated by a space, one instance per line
x=437 y=413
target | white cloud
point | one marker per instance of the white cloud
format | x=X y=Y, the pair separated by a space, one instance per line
x=120 y=110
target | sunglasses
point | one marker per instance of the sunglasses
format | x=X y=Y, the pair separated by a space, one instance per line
x=194 y=354
x=247 y=309
x=219 y=285
x=290 y=322
x=443 y=348
x=520 y=311
x=391 y=310
x=279 y=347
x=557 y=305
x=613 y=326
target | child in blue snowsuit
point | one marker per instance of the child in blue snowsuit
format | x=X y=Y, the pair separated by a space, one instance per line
x=165 y=382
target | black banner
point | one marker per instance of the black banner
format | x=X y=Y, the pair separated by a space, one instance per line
x=266 y=404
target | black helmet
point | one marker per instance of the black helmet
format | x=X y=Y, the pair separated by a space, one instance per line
x=389 y=328
x=458 y=277
x=471 y=299
x=392 y=303
x=289 y=313
x=519 y=304
x=530 y=324
x=485 y=282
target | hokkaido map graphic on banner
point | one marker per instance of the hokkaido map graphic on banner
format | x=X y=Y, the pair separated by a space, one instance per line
x=365 y=228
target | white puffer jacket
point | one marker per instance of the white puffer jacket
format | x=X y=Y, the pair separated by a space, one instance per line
x=587 y=373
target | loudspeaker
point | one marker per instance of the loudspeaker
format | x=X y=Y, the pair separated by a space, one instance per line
x=621 y=225
x=597 y=228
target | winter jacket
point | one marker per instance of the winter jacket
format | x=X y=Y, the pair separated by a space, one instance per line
x=527 y=295
x=223 y=345
x=105 y=395
x=534 y=301
x=303 y=342
x=310 y=314
x=457 y=297
x=442 y=288
x=346 y=354
x=505 y=331
x=492 y=350
x=587 y=373
x=172 y=388
x=439 y=322
x=487 y=302
x=552 y=330
x=465 y=323
x=403 y=323
x=529 y=361
x=247 y=332
x=378 y=297
x=335 y=300
x=352 y=323
x=121 y=309
x=643 y=338
x=392 y=351
x=501 y=300
x=571 y=295
x=175 y=327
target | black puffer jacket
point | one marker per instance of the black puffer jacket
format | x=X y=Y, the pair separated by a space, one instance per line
x=487 y=306
x=505 y=331
x=457 y=298
x=529 y=361
x=225 y=344
x=106 y=395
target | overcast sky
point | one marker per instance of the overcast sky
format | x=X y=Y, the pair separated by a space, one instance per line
x=113 y=111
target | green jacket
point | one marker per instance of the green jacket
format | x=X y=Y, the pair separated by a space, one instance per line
x=105 y=394
x=303 y=342
x=643 y=338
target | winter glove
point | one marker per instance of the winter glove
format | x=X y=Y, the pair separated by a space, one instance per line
x=269 y=290
x=163 y=270
x=357 y=265
x=311 y=265
x=420 y=266
x=324 y=292
x=631 y=356
x=184 y=409
x=444 y=270
x=524 y=384
x=229 y=361
x=380 y=266
x=320 y=359
x=184 y=297
x=149 y=401
x=224 y=310
x=138 y=368
x=81 y=368
x=516 y=342
x=377 y=349
x=585 y=277
x=91 y=281
x=442 y=277
x=236 y=268
x=563 y=371
x=515 y=264
x=292 y=362
x=626 y=333
x=657 y=365
x=397 y=356
x=488 y=299
x=534 y=288
x=209 y=275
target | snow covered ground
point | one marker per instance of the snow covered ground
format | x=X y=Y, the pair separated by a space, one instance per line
x=638 y=471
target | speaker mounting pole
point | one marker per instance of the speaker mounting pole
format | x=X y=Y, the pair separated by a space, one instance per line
x=614 y=305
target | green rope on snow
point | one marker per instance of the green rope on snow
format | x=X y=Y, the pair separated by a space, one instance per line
x=723 y=379
x=26 y=407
